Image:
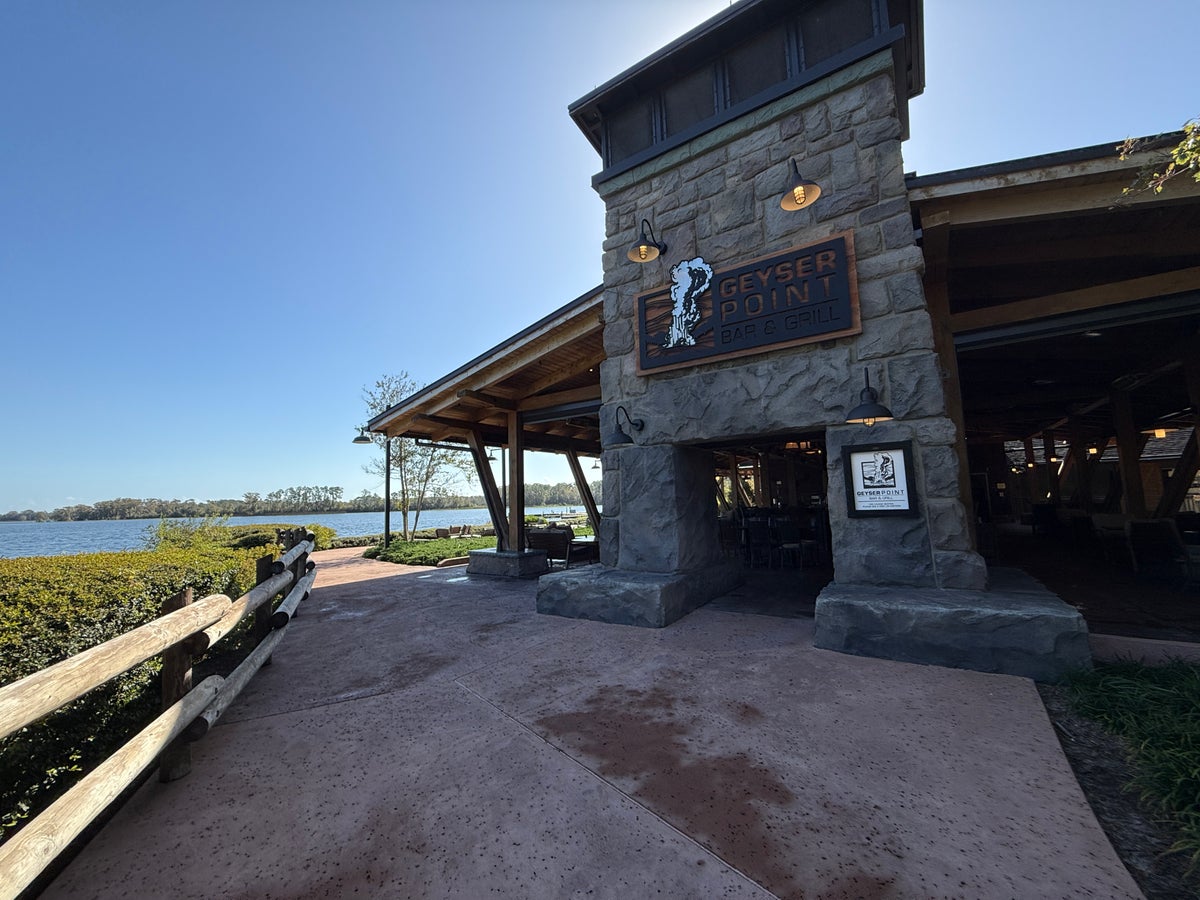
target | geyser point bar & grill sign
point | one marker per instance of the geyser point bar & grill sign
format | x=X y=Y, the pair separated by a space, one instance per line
x=801 y=295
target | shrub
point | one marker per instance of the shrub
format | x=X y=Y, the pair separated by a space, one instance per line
x=429 y=553
x=55 y=607
x=215 y=533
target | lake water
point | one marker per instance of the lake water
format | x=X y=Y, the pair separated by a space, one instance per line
x=58 y=538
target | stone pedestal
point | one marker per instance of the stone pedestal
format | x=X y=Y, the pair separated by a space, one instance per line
x=507 y=563
x=1020 y=628
x=623 y=597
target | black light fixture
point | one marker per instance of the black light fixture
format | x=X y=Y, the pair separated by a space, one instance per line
x=596 y=464
x=869 y=409
x=647 y=246
x=491 y=455
x=800 y=192
x=618 y=435
x=362 y=437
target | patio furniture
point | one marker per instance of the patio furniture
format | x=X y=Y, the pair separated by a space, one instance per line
x=1157 y=551
x=560 y=545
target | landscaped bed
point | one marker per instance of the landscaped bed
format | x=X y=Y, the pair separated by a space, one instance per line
x=1132 y=735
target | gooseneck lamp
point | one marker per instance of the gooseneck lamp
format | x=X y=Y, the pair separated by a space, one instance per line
x=801 y=192
x=869 y=409
x=619 y=435
x=647 y=246
x=362 y=437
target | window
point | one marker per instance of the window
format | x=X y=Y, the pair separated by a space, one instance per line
x=829 y=26
x=689 y=100
x=756 y=65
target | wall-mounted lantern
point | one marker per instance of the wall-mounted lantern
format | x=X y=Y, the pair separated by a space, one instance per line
x=869 y=409
x=801 y=192
x=647 y=246
x=619 y=435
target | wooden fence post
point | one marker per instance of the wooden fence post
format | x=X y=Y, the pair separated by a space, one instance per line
x=262 y=616
x=176 y=760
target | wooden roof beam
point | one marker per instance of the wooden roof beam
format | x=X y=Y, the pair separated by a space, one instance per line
x=1102 y=295
x=491 y=401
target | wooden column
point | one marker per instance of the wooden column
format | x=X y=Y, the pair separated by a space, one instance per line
x=1129 y=451
x=1189 y=461
x=1083 y=465
x=491 y=494
x=1049 y=453
x=516 y=483
x=935 y=240
x=585 y=492
x=176 y=677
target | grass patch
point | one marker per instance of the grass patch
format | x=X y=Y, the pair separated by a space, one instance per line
x=1157 y=711
x=429 y=553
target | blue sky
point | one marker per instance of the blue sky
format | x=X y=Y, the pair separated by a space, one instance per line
x=220 y=220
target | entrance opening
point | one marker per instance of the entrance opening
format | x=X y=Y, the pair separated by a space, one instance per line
x=1081 y=439
x=774 y=521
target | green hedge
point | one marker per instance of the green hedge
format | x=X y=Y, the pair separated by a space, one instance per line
x=54 y=607
x=428 y=553
x=215 y=533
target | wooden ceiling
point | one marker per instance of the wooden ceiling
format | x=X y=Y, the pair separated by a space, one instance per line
x=1063 y=293
x=548 y=376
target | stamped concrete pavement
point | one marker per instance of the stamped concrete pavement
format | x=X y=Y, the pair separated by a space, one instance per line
x=422 y=734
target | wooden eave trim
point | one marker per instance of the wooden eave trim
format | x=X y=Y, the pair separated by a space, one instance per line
x=591 y=392
x=1102 y=168
x=1111 y=294
x=583 y=321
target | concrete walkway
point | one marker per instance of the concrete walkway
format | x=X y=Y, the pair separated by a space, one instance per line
x=422 y=734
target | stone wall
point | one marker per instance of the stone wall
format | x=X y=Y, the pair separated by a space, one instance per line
x=718 y=197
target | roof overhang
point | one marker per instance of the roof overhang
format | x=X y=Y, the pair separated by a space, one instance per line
x=546 y=376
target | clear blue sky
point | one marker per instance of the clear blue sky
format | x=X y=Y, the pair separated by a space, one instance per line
x=219 y=220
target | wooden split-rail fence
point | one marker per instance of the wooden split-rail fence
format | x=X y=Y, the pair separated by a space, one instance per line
x=186 y=629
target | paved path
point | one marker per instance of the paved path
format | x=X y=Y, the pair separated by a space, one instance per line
x=425 y=735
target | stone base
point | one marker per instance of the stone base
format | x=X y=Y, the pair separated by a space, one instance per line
x=507 y=563
x=623 y=597
x=1018 y=628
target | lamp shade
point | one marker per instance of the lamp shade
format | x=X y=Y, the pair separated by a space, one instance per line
x=646 y=247
x=617 y=435
x=361 y=438
x=800 y=193
x=869 y=409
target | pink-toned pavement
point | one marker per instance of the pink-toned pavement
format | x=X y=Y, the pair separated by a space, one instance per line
x=422 y=734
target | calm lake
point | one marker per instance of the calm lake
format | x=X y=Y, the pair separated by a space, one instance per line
x=58 y=538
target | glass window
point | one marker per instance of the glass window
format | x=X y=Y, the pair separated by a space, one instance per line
x=689 y=100
x=756 y=65
x=828 y=27
x=630 y=130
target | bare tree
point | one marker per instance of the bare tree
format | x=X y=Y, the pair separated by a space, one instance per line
x=418 y=472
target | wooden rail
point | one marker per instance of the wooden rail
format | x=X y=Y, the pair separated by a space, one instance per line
x=189 y=713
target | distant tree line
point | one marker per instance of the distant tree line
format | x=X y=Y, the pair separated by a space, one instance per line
x=289 y=501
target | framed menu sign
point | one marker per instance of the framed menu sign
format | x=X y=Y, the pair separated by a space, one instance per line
x=879 y=479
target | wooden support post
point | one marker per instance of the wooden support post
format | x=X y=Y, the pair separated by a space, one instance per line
x=1189 y=461
x=491 y=495
x=585 y=492
x=263 y=570
x=935 y=231
x=1129 y=450
x=1050 y=453
x=176 y=678
x=516 y=483
x=1083 y=465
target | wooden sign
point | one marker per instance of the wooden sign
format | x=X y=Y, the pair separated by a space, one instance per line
x=802 y=295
